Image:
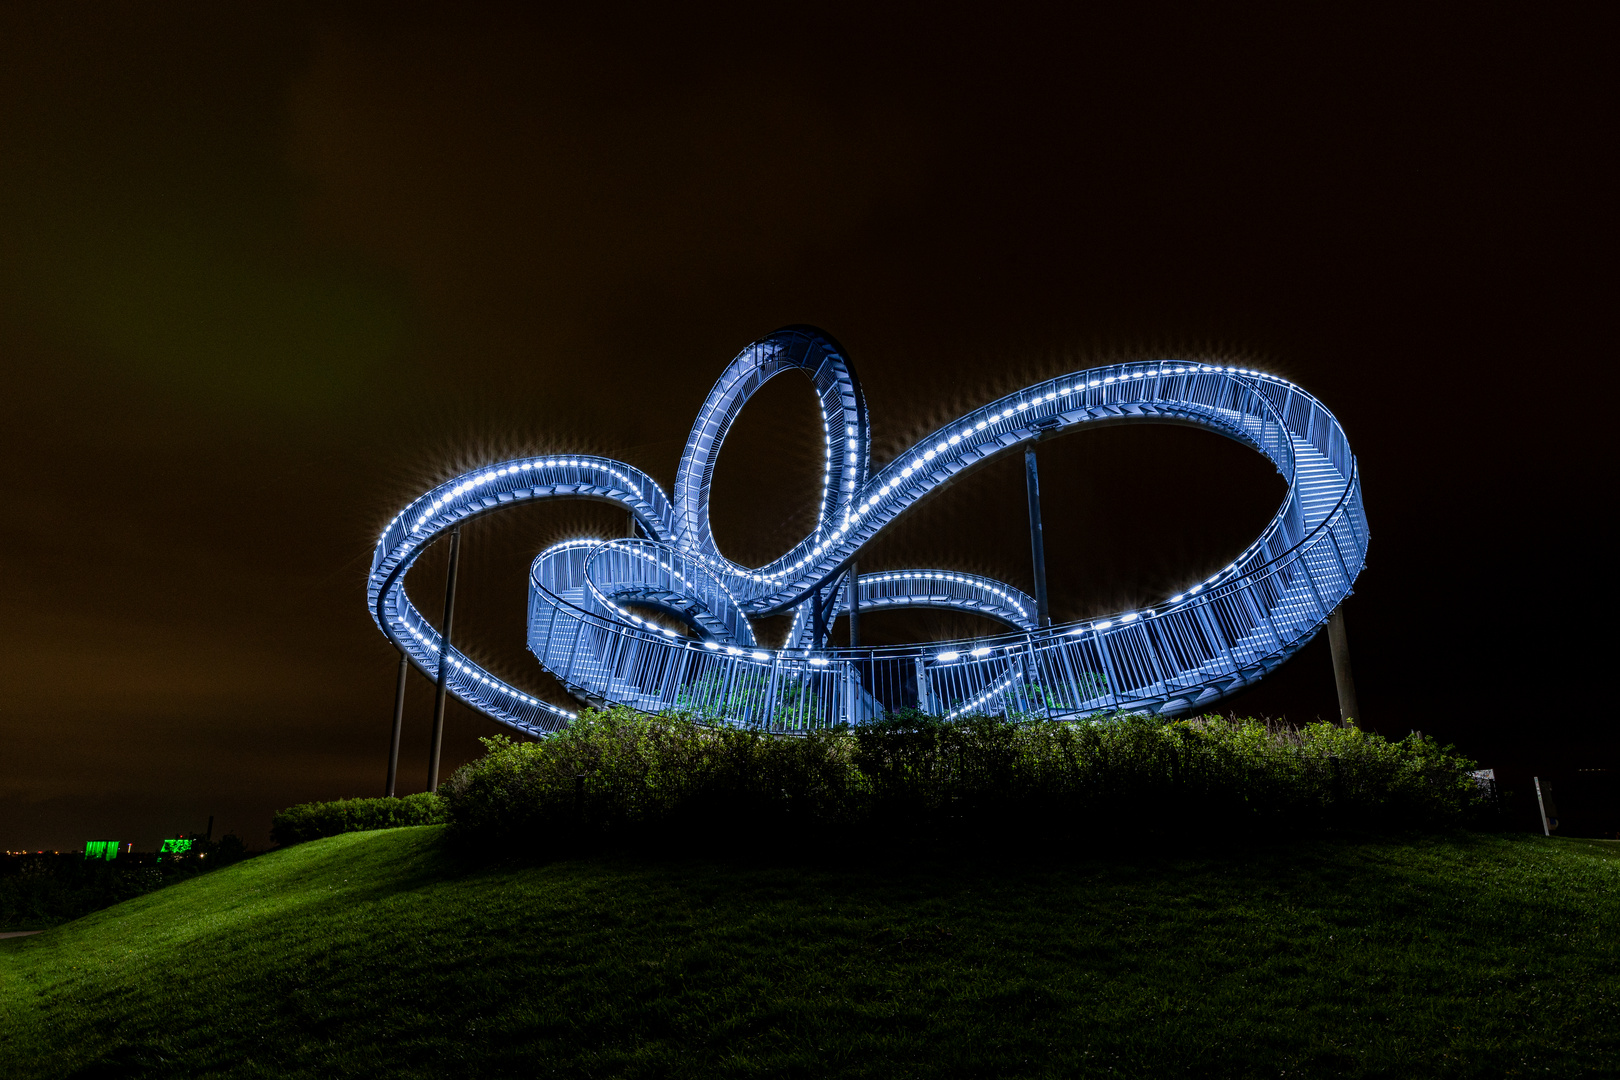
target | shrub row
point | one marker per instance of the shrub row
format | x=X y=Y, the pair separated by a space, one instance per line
x=311 y=821
x=619 y=775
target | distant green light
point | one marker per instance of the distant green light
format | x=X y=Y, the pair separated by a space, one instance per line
x=173 y=847
x=101 y=849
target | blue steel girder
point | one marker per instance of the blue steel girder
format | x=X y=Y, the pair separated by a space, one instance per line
x=948 y=590
x=1183 y=653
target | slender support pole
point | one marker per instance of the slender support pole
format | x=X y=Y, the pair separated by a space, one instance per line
x=818 y=622
x=444 y=658
x=1037 y=543
x=1349 y=713
x=1541 y=804
x=399 y=723
x=854 y=606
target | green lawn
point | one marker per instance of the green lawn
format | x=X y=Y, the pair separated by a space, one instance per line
x=372 y=954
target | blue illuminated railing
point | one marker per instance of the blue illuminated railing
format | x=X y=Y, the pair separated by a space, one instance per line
x=1184 y=653
x=657 y=575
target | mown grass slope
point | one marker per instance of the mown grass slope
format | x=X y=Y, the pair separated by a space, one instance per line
x=374 y=954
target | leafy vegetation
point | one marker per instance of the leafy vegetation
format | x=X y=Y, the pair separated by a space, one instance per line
x=46 y=889
x=622 y=775
x=382 y=954
x=38 y=891
x=311 y=821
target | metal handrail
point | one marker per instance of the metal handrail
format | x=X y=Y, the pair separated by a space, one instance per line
x=837 y=662
x=1175 y=656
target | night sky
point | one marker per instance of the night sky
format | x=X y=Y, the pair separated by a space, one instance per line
x=267 y=272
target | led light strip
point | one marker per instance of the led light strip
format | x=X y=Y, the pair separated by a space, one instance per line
x=1251 y=406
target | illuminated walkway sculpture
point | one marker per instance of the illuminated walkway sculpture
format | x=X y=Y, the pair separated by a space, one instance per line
x=1179 y=655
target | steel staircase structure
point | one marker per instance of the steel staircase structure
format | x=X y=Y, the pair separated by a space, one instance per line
x=1178 y=656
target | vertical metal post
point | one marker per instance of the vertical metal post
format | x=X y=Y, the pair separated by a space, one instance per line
x=772 y=689
x=818 y=621
x=854 y=606
x=852 y=679
x=444 y=658
x=399 y=723
x=1036 y=542
x=1541 y=804
x=1349 y=713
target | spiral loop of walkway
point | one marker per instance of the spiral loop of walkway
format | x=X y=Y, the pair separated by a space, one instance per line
x=1179 y=655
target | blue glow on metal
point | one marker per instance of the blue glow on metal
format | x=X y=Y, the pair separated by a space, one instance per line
x=1201 y=644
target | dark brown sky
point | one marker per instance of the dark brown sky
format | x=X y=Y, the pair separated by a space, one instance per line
x=266 y=274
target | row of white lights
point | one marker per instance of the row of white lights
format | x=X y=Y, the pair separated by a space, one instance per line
x=494 y=474
x=990 y=692
x=853 y=514
x=828 y=497
x=802 y=612
x=476 y=674
x=489 y=477
x=645 y=556
x=757 y=654
x=985 y=584
x=826 y=471
x=981 y=425
x=946 y=657
x=762 y=655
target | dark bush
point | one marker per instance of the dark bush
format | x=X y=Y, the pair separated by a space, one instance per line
x=619 y=774
x=311 y=821
x=40 y=891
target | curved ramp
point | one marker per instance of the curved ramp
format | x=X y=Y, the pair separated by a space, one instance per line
x=1181 y=654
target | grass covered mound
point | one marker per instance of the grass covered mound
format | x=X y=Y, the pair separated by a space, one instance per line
x=620 y=774
x=378 y=954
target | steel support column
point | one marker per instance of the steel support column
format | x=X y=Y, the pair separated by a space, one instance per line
x=1349 y=713
x=399 y=723
x=444 y=658
x=824 y=611
x=1037 y=543
x=854 y=606
x=818 y=621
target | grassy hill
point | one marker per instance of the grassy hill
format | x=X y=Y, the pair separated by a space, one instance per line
x=375 y=954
